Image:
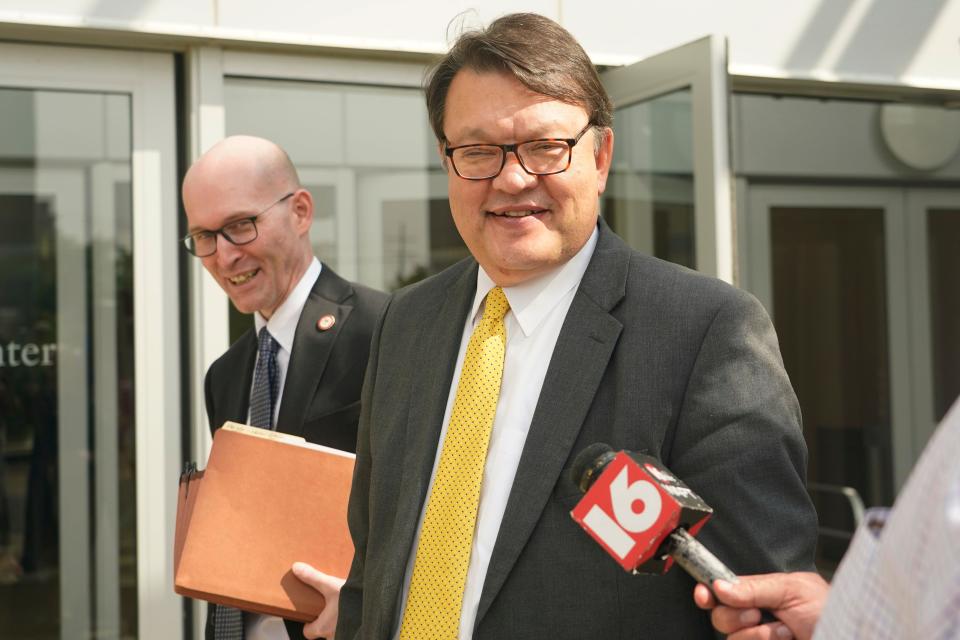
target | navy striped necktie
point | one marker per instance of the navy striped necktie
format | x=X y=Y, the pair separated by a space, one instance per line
x=266 y=382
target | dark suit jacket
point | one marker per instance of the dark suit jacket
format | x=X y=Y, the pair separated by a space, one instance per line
x=321 y=394
x=651 y=357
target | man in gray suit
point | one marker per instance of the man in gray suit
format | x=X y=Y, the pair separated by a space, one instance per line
x=249 y=220
x=599 y=343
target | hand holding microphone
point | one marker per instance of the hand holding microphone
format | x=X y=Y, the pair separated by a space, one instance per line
x=795 y=598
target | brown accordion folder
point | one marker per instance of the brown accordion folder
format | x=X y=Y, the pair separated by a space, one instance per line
x=265 y=500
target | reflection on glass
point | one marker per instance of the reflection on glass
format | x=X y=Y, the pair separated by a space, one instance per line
x=943 y=228
x=649 y=196
x=420 y=239
x=370 y=160
x=829 y=301
x=323 y=233
x=67 y=476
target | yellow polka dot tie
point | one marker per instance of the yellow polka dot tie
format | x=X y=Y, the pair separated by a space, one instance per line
x=443 y=552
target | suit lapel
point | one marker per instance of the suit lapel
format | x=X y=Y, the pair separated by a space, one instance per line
x=586 y=342
x=311 y=347
x=432 y=371
x=235 y=404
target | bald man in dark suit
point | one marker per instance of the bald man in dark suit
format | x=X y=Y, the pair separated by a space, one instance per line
x=249 y=221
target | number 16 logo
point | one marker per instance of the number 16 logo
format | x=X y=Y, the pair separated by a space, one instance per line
x=626 y=511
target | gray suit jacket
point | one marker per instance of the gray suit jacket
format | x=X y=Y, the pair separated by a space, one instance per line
x=651 y=357
x=321 y=394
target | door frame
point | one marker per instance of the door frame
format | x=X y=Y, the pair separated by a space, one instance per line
x=700 y=66
x=148 y=78
x=916 y=203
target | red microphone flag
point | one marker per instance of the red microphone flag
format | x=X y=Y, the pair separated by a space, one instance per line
x=633 y=506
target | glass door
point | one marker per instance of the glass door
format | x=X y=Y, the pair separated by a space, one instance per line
x=669 y=191
x=89 y=402
x=861 y=284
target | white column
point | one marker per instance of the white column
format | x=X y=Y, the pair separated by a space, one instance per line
x=103 y=180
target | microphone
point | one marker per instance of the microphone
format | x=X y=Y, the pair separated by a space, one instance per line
x=643 y=515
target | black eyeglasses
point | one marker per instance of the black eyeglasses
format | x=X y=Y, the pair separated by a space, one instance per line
x=540 y=157
x=203 y=243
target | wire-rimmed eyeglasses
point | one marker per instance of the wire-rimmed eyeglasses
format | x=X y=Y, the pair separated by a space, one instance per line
x=203 y=243
x=540 y=157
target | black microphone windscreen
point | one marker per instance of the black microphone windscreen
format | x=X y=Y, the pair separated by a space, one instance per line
x=589 y=463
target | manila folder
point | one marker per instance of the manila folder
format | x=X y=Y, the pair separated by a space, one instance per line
x=265 y=500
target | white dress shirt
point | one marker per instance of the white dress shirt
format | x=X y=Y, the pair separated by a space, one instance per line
x=900 y=578
x=282 y=325
x=537 y=311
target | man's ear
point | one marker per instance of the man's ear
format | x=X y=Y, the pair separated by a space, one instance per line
x=302 y=206
x=604 y=158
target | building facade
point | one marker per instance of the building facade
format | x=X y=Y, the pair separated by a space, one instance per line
x=809 y=153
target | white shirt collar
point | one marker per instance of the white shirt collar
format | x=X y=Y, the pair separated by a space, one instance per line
x=283 y=323
x=531 y=302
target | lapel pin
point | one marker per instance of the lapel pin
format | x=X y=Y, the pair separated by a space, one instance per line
x=326 y=322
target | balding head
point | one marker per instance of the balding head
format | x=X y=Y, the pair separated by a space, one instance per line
x=240 y=178
x=254 y=161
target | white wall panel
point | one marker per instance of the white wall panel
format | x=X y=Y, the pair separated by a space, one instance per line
x=885 y=41
x=166 y=11
x=783 y=136
x=889 y=41
x=419 y=21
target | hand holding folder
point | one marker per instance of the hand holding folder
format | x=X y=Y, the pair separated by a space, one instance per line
x=325 y=626
x=265 y=501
